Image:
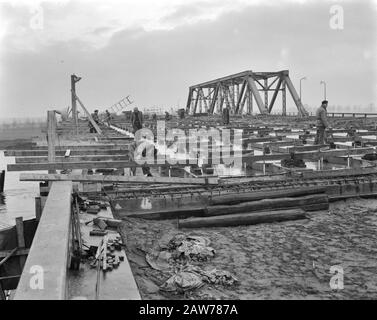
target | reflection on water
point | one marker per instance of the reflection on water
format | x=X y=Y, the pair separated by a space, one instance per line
x=17 y=200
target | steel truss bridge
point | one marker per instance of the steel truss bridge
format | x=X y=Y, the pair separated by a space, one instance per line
x=239 y=91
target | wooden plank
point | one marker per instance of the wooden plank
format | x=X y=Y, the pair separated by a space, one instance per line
x=308 y=155
x=256 y=140
x=2 y=180
x=265 y=204
x=124 y=157
x=93 y=146
x=51 y=126
x=235 y=198
x=99 y=131
x=306 y=148
x=99 y=259
x=38 y=208
x=115 y=179
x=243 y=219
x=73 y=165
x=18 y=252
x=84 y=152
x=20 y=238
x=8 y=256
x=169 y=213
x=338 y=173
x=50 y=247
x=8 y=278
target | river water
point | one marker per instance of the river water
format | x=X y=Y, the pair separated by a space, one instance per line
x=17 y=200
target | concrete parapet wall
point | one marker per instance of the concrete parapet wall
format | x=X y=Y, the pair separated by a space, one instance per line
x=45 y=271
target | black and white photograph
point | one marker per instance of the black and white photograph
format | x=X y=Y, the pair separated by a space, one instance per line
x=187 y=156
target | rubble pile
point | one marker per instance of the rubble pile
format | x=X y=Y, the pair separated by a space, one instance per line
x=183 y=258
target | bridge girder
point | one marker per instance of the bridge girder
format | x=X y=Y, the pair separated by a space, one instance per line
x=242 y=88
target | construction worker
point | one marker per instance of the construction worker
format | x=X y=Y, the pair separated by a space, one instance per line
x=95 y=116
x=136 y=120
x=322 y=123
x=134 y=155
x=226 y=112
x=96 y=120
x=181 y=113
x=108 y=117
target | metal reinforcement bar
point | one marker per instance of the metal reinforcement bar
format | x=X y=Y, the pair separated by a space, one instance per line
x=48 y=256
x=116 y=179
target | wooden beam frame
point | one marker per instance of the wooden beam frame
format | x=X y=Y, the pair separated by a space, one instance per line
x=119 y=157
x=99 y=131
x=116 y=179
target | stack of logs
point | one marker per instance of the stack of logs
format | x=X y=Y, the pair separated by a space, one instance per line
x=250 y=208
x=247 y=208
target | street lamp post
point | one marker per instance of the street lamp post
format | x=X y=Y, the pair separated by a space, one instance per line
x=324 y=88
x=303 y=78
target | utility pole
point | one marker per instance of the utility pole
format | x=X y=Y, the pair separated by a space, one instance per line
x=74 y=79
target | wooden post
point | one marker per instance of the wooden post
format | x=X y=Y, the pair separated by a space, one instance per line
x=348 y=160
x=2 y=293
x=2 y=179
x=20 y=239
x=88 y=115
x=38 y=208
x=264 y=163
x=73 y=98
x=51 y=128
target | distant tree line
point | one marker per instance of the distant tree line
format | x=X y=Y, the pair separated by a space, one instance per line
x=22 y=123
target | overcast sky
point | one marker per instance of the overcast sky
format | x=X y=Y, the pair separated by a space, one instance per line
x=154 y=50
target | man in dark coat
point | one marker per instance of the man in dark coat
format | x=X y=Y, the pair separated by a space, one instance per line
x=95 y=117
x=322 y=123
x=136 y=120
